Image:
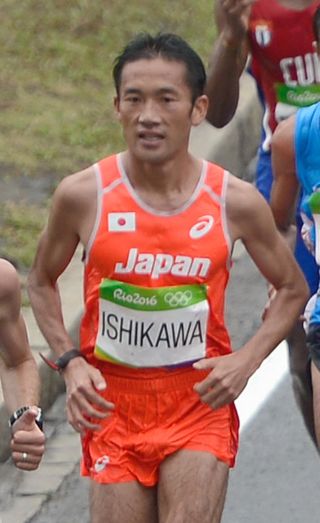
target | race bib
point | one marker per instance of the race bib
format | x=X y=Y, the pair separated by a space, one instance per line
x=151 y=327
x=289 y=99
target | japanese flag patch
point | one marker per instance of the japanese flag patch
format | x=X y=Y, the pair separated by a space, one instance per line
x=121 y=221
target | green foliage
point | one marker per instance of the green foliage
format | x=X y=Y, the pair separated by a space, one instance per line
x=20 y=231
x=56 y=86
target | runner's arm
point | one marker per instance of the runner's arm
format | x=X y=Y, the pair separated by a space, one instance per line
x=56 y=248
x=18 y=370
x=228 y=59
x=285 y=188
x=18 y=373
x=251 y=221
x=274 y=259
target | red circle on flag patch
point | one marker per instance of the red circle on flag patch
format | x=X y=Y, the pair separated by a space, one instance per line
x=121 y=221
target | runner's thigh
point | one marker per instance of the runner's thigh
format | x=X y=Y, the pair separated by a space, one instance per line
x=192 y=488
x=122 y=503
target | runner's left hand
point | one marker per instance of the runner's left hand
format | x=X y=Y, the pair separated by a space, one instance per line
x=227 y=379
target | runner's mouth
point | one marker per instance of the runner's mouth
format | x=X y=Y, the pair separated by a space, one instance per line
x=150 y=137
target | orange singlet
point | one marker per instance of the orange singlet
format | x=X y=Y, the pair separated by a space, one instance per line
x=154 y=303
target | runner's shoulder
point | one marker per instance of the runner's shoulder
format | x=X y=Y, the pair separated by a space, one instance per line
x=283 y=136
x=9 y=281
x=76 y=189
x=243 y=200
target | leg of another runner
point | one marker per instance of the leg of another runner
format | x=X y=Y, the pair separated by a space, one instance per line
x=315 y=372
x=299 y=369
x=192 y=488
x=122 y=503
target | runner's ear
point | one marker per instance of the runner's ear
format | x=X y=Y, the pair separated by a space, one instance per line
x=116 y=106
x=199 y=110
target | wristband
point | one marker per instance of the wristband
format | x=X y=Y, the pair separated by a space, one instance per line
x=61 y=363
x=18 y=413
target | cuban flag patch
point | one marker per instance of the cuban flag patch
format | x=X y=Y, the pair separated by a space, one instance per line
x=121 y=221
x=263 y=33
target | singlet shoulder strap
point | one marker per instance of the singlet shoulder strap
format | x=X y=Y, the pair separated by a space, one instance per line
x=108 y=170
x=216 y=181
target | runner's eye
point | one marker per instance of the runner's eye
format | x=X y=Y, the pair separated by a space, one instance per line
x=168 y=99
x=132 y=99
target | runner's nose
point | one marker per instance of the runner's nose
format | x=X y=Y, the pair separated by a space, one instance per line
x=149 y=114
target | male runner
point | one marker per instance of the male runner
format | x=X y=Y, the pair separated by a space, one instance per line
x=152 y=388
x=296 y=162
x=278 y=36
x=19 y=375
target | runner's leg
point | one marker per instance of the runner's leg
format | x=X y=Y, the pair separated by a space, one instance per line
x=122 y=503
x=300 y=375
x=298 y=353
x=192 y=488
x=315 y=373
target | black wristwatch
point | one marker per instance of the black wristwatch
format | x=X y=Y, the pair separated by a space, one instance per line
x=61 y=363
x=18 y=413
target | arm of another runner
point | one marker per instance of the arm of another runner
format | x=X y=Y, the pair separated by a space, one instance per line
x=228 y=59
x=251 y=221
x=285 y=187
x=68 y=219
x=18 y=373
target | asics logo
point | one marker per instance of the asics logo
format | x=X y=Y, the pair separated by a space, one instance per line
x=158 y=264
x=178 y=298
x=101 y=464
x=202 y=227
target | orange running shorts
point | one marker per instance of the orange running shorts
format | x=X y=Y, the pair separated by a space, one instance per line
x=154 y=417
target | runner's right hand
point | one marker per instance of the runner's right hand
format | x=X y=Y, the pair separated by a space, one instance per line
x=85 y=404
x=235 y=17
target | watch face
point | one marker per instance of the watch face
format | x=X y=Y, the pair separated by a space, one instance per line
x=18 y=413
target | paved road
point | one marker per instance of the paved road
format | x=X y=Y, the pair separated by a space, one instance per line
x=277 y=474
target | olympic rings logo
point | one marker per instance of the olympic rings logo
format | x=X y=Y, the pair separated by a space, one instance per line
x=181 y=298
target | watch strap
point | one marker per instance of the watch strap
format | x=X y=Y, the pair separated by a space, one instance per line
x=18 y=413
x=63 y=360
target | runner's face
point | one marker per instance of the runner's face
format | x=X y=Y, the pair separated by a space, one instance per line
x=155 y=108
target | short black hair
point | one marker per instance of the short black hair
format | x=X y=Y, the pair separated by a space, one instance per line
x=168 y=46
x=316 y=24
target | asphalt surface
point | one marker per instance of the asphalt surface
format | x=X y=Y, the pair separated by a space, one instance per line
x=276 y=478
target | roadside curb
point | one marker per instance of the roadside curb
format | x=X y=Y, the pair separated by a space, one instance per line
x=233 y=147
